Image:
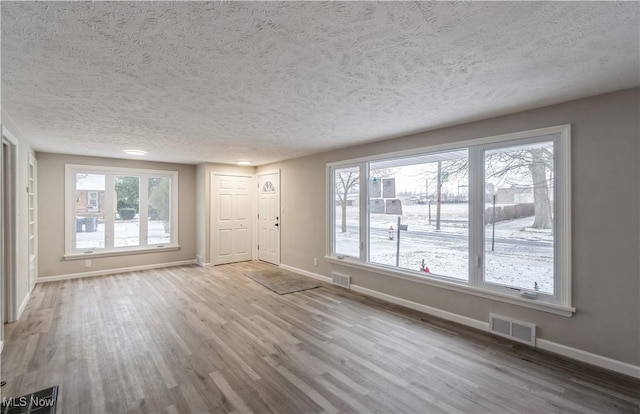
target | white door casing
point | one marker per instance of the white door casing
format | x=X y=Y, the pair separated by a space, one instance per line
x=269 y=217
x=231 y=233
x=9 y=219
x=33 y=220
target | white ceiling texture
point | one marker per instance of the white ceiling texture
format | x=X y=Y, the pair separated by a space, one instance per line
x=193 y=81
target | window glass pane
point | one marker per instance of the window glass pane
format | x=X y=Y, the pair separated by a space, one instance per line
x=89 y=209
x=428 y=194
x=126 y=229
x=518 y=216
x=159 y=228
x=347 y=211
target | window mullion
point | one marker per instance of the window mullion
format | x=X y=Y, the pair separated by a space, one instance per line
x=364 y=212
x=109 y=210
x=143 y=209
x=562 y=214
x=72 y=212
x=476 y=215
x=331 y=210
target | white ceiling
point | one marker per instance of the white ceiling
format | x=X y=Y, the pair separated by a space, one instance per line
x=192 y=82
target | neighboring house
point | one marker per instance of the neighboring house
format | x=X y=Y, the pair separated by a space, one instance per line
x=90 y=194
x=514 y=195
x=89 y=202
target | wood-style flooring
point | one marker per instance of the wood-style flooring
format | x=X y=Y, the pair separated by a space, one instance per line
x=195 y=340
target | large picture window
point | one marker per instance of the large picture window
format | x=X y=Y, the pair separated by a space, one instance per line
x=119 y=210
x=491 y=214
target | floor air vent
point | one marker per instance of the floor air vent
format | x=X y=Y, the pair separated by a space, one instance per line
x=512 y=329
x=341 y=280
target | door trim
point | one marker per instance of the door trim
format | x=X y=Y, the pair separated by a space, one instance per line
x=32 y=197
x=10 y=252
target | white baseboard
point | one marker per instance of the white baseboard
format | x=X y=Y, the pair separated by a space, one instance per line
x=589 y=358
x=453 y=317
x=23 y=305
x=306 y=273
x=200 y=262
x=569 y=352
x=113 y=271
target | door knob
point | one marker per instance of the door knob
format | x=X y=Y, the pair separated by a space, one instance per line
x=276 y=224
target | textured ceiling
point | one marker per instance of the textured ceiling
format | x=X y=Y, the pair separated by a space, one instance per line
x=193 y=81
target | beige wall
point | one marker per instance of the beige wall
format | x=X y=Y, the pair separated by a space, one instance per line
x=203 y=210
x=51 y=216
x=605 y=209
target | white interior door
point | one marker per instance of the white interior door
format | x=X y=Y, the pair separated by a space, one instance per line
x=269 y=217
x=231 y=211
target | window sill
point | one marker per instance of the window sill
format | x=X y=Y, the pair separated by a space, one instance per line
x=457 y=287
x=120 y=252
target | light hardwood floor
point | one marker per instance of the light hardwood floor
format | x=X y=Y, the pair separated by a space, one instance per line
x=189 y=339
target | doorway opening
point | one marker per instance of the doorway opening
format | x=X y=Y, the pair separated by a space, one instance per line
x=8 y=219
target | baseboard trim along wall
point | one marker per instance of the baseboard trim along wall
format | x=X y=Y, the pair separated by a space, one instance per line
x=113 y=271
x=589 y=358
x=566 y=351
x=306 y=273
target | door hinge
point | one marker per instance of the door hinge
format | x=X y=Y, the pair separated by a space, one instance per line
x=258 y=247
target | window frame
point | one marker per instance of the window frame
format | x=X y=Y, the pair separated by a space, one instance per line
x=332 y=211
x=72 y=253
x=559 y=303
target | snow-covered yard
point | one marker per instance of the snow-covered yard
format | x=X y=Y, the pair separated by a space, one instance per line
x=521 y=255
x=126 y=234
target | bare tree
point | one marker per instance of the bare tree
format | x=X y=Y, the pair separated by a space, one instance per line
x=531 y=167
x=455 y=168
x=346 y=182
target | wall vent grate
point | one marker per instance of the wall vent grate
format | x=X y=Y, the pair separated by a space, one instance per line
x=510 y=328
x=341 y=280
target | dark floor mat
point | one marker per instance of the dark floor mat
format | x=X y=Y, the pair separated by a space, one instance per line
x=40 y=402
x=282 y=281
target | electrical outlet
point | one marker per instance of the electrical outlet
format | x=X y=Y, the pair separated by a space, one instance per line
x=315 y=261
x=87 y=263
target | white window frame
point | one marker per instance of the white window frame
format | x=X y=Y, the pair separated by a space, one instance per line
x=71 y=253
x=362 y=178
x=559 y=303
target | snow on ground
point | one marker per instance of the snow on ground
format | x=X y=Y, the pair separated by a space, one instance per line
x=521 y=255
x=126 y=234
